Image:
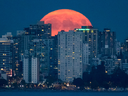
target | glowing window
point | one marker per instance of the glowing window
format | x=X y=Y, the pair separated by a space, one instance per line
x=2 y=69
x=26 y=32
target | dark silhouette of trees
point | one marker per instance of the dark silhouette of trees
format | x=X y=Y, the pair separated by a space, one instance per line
x=2 y=82
x=119 y=78
x=23 y=82
x=98 y=78
x=79 y=83
x=50 y=80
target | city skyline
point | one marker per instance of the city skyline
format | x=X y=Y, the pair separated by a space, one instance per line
x=102 y=14
x=64 y=45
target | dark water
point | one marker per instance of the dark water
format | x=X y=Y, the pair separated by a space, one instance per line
x=63 y=93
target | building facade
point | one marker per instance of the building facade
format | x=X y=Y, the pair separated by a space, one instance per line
x=70 y=55
x=90 y=36
x=107 y=44
x=6 y=52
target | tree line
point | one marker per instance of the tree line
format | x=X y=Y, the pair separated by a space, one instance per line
x=98 y=78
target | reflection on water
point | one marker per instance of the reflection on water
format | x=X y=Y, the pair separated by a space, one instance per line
x=63 y=93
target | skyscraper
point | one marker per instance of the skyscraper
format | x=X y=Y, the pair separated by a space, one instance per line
x=38 y=44
x=6 y=52
x=18 y=54
x=90 y=36
x=107 y=42
x=72 y=55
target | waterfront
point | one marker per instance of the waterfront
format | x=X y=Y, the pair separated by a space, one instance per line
x=64 y=93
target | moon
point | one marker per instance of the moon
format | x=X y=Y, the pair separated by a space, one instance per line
x=65 y=19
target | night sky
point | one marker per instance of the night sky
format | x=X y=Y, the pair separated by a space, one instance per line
x=18 y=14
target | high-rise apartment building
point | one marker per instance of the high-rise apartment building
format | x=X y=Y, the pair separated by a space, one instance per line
x=35 y=70
x=72 y=55
x=18 y=54
x=90 y=36
x=54 y=61
x=6 y=52
x=38 y=43
x=107 y=42
x=31 y=69
x=38 y=31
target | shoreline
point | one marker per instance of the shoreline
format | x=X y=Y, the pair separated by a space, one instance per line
x=50 y=90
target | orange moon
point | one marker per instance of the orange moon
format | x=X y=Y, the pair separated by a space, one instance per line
x=65 y=19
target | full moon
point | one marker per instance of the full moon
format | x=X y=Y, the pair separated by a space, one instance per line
x=65 y=19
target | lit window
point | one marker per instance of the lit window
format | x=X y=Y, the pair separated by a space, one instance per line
x=107 y=30
x=42 y=29
x=51 y=66
x=2 y=69
x=17 y=65
x=73 y=52
x=4 y=54
x=51 y=48
x=26 y=32
x=91 y=31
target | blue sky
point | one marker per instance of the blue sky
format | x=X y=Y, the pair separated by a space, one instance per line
x=18 y=14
